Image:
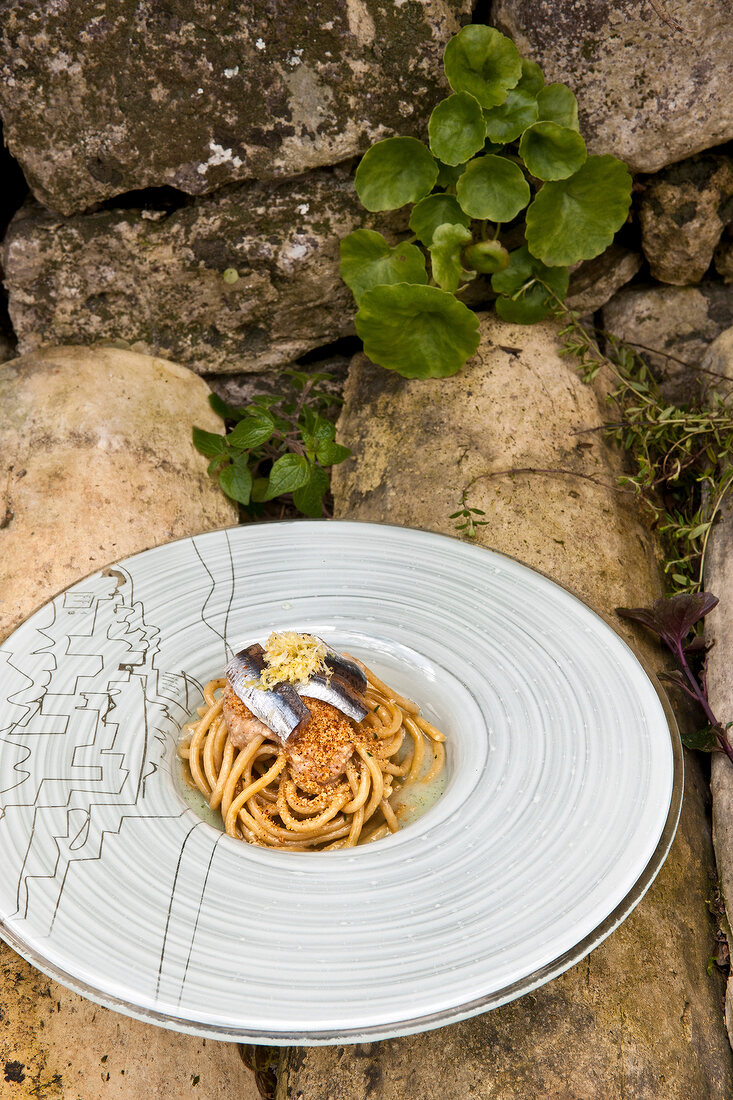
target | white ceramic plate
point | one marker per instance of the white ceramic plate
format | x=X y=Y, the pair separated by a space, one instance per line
x=563 y=791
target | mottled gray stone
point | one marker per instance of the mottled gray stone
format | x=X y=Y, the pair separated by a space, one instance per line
x=639 y=1018
x=719 y=634
x=154 y=278
x=648 y=91
x=596 y=281
x=99 y=100
x=683 y=212
x=672 y=327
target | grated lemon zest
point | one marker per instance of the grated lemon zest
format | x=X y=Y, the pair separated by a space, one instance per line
x=292 y=658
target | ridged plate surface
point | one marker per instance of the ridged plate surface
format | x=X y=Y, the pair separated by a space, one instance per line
x=561 y=802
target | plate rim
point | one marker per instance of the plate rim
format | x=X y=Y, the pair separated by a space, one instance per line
x=428 y=1021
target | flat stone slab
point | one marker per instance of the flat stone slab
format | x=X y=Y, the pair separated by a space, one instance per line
x=155 y=279
x=515 y=435
x=97 y=102
x=97 y=464
x=652 y=80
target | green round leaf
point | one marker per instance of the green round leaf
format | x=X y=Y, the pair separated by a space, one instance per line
x=309 y=499
x=418 y=331
x=487 y=257
x=507 y=122
x=236 y=481
x=523 y=300
x=209 y=443
x=431 y=212
x=393 y=172
x=448 y=174
x=367 y=260
x=445 y=253
x=484 y=62
x=254 y=430
x=494 y=188
x=557 y=103
x=533 y=79
x=576 y=218
x=552 y=152
x=288 y=473
x=456 y=129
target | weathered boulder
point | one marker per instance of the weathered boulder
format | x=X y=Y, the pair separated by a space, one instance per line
x=198 y=94
x=514 y=434
x=105 y=435
x=154 y=277
x=723 y=258
x=683 y=212
x=719 y=635
x=652 y=80
x=596 y=281
x=672 y=327
x=98 y=464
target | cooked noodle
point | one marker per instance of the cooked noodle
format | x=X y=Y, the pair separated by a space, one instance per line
x=262 y=800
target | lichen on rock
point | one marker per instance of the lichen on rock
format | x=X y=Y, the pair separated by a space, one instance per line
x=200 y=94
x=155 y=278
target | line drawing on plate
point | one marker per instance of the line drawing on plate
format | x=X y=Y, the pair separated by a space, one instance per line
x=69 y=798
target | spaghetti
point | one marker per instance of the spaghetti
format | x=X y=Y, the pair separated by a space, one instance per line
x=266 y=799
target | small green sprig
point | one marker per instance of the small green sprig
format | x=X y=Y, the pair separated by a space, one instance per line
x=279 y=446
x=679 y=455
x=465 y=519
x=504 y=153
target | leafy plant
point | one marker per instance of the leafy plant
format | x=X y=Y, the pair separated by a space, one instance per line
x=278 y=446
x=678 y=454
x=673 y=620
x=504 y=156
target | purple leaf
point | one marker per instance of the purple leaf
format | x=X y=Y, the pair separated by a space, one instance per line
x=672 y=618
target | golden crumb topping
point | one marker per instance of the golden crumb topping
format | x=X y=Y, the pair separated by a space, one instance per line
x=291 y=658
x=325 y=744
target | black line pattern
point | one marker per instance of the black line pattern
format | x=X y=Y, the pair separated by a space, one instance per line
x=83 y=736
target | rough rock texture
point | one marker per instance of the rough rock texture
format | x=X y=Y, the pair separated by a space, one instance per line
x=682 y=212
x=719 y=634
x=596 y=281
x=103 y=435
x=639 y=1018
x=672 y=327
x=649 y=92
x=724 y=256
x=154 y=277
x=102 y=100
x=98 y=464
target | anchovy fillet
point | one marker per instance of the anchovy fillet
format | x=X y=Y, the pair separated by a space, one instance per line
x=336 y=692
x=347 y=670
x=280 y=708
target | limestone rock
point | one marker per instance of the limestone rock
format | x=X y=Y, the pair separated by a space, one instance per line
x=596 y=281
x=639 y=1017
x=103 y=435
x=724 y=256
x=683 y=211
x=195 y=95
x=649 y=91
x=154 y=277
x=98 y=464
x=672 y=327
x=719 y=634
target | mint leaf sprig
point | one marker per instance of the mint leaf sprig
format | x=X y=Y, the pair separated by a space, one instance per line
x=504 y=157
x=279 y=447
